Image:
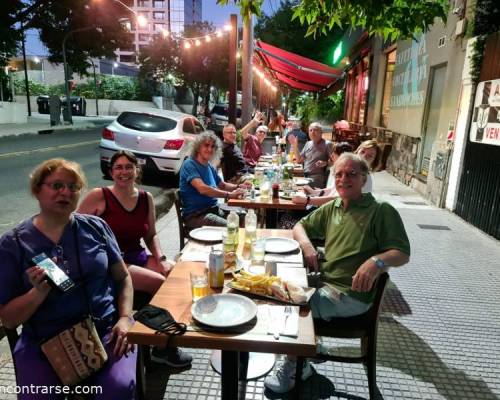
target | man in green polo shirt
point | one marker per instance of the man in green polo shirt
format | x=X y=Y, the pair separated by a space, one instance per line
x=363 y=237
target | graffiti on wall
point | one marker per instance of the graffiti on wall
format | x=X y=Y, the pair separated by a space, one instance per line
x=410 y=74
x=485 y=126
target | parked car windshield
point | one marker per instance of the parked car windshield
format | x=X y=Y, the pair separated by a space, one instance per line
x=146 y=122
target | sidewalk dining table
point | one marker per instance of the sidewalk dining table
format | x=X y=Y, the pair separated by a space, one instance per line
x=175 y=296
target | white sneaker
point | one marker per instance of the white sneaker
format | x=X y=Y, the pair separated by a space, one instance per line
x=283 y=379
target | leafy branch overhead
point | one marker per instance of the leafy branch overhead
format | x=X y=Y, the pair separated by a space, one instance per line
x=392 y=19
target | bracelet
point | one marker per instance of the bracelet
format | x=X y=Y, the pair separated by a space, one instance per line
x=308 y=200
x=162 y=258
x=226 y=196
x=322 y=193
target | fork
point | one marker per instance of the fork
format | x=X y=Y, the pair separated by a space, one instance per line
x=287 y=313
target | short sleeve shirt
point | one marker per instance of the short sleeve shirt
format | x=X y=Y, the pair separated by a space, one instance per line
x=232 y=160
x=253 y=150
x=98 y=250
x=316 y=152
x=351 y=236
x=192 y=200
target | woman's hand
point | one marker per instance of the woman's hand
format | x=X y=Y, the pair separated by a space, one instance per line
x=166 y=266
x=119 y=335
x=292 y=139
x=37 y=277
x=245 y=185
x=299 y=199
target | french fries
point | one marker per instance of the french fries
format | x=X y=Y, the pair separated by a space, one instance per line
x=253 y=283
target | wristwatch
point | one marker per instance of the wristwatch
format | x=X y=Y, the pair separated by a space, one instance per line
x=308 y=199
x=162 y=258
x=378 y=262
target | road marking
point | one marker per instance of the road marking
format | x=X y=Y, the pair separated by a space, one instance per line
x=45 y=149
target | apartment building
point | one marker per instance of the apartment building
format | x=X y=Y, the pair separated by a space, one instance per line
x=170 y=15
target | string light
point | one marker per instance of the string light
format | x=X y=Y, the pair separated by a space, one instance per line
x=264 y=79
x=197 y=42
x=165 y=33
x=208 y=39
x=187 y=44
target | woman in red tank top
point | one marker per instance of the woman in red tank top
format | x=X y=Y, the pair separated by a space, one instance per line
x=130 y=213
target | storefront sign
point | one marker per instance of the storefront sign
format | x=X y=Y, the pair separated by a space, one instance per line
x=485 y=126
x=410 y=74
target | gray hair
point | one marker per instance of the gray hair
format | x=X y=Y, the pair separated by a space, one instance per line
x=354 y=158
x=207 y=136
x=295 y=124
x=262 y=128
x=315 y=125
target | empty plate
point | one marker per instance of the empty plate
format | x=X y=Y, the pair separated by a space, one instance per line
x=280 y=245
x=224 y=310
x=207 y=234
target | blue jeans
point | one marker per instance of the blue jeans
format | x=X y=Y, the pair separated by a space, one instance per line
x=327 y=303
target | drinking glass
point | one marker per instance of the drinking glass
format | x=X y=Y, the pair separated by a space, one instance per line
x=199 y=284
x=258 y=251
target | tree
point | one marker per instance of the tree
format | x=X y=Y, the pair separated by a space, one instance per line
x=393 y=19
x=55 y=19
x=280 y=30
x=198 y=67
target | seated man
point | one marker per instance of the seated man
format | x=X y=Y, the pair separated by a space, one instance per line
x=363 y=237
x=233 y=162
x=314 y=155
x=200 y=186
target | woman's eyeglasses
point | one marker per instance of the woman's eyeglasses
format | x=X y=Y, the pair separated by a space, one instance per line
x=57 y=186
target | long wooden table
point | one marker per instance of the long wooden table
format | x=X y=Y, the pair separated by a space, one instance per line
x=175 y=296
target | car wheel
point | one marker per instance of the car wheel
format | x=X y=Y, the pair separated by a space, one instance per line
x=105 y=169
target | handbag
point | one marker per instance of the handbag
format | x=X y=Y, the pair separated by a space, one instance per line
x=76 y=352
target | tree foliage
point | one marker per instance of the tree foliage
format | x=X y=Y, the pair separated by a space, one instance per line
x=198 y=67
x=393 y=19
x=279 y=30
x=54 y=20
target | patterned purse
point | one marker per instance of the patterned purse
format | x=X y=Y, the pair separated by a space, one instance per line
x=75 y=353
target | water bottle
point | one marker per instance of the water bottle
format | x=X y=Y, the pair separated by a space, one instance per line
x=233 y=226
x=250 y=226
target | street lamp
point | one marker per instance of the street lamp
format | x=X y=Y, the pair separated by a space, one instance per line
x=67 y=116
x=141 y=19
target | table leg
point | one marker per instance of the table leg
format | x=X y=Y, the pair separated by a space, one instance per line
x=229 y=376
x=271 y=218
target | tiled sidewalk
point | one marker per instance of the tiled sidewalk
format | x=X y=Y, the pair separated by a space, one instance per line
x=439 y=334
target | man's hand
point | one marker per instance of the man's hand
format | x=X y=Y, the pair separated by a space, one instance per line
x=237 y=194
x=310 y=257
x=292 y=139
x=299 y=199
x=258 y=117
x=321 y=164
x=365 y=276
x=245 y=185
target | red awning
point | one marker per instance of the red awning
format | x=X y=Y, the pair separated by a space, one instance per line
x=293 y=70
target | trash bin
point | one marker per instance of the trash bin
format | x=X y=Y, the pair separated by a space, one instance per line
x=43 y=104
x=78 y=105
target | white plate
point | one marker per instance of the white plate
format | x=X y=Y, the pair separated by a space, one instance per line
x=207 y=234
x=302 y=181
x=224 y=310
x=280 y=245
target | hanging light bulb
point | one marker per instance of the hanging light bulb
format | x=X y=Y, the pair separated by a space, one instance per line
x=227 y=27
x=187 y=44
x=207 y=39
x=165 y=33
x=197 y=42
x=218 y=34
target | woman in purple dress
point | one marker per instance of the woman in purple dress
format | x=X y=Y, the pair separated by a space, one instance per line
x=85 y=249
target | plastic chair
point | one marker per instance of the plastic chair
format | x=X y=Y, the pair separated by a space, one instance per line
x=362 y=327
x=183 y=230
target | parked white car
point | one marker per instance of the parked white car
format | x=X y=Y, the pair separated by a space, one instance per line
x=157 y=137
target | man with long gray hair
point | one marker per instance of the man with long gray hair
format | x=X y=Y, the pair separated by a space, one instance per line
x=200 y=186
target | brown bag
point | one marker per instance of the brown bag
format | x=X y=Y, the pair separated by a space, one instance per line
x=76 y=352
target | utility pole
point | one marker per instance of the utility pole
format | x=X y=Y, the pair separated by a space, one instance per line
x=233 y=87
x=26 y=82
x=246 y=71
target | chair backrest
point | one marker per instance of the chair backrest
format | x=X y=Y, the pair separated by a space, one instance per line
x=183 y=230
x=380 y=285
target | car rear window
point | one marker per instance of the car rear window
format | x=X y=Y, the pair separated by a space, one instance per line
x=146 y=122
x=223 y=110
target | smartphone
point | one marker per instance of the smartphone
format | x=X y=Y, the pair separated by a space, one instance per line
x=56 y=276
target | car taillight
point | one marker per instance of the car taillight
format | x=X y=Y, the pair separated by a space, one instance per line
x=108 y=134
x=173 y=144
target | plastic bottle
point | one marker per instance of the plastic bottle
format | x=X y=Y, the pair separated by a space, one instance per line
x=265 y=187
x=250 y=226
x=233 y=226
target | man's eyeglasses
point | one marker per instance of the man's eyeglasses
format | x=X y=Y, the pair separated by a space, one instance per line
x=126 y=167
x=56 y=186
x=349 y=174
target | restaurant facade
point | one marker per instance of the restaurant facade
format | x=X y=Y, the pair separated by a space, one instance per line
x=416 y=98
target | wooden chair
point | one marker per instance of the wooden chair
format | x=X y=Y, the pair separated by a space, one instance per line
x=362 y=326
x=183 y=230
x=143 y=352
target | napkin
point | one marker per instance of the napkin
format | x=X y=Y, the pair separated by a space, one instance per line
x=198 y=252
x=289 y=327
